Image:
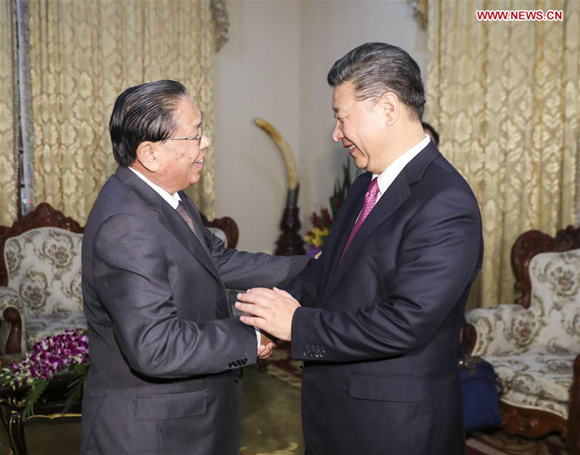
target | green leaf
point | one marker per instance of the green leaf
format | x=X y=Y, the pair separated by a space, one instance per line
x=76 y=388
x=37 y=388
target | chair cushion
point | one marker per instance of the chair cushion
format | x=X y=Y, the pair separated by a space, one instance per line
x=44 y=267
x=555 y=300
x=539 y=378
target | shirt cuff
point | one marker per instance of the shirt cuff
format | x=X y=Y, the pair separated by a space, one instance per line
x=258 y=336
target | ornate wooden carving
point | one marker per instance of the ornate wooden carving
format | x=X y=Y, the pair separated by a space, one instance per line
x=290 y=243
x=42 y=216
x=14 y=342
x=531 y=423
x=534 y=242
x=226 y=224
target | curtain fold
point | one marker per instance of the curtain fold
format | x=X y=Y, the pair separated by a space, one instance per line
x=8 y=115
x=505 y=98
x=82 y=56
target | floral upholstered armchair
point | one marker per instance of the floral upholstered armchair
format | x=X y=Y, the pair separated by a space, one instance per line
x=534 y=344
x=40 y=275
x=40 y=278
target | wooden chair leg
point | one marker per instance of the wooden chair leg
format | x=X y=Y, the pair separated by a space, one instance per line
x=573 y=439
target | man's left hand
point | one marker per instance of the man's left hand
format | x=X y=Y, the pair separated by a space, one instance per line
x=266 y=347
x=269 y=310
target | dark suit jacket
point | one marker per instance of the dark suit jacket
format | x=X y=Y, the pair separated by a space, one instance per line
x=165 y=373
x=379 y=331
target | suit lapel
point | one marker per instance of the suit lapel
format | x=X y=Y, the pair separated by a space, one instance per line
x=343 y=224
x=202 y=241
x=170 y=219
x=393 y=198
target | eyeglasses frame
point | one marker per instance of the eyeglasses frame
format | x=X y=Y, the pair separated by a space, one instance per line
x=197 y=138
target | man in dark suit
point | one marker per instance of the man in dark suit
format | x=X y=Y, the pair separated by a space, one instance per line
x=166 y=354
x=377 y=318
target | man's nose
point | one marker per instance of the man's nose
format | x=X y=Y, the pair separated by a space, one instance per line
x=337 y=135
x=205 y=142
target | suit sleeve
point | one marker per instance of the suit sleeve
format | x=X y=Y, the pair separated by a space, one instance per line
x=305 y=286
x=130 y=272
x=243 y=270
x=437 y=260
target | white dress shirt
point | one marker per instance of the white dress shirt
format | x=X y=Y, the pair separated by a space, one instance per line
x=172 y=199
x=388 y=176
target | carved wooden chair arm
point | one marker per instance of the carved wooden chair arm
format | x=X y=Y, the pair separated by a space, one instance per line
x=9 y=303
x=497 y=330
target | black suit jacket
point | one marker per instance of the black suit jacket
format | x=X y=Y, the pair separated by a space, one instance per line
x=379 y=330
x=165 y=353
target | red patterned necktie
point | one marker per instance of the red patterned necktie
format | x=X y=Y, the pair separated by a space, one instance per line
x=370 y=201
x=186 y=217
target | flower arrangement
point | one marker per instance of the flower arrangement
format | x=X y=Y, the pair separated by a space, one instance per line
x=53 y=354
x=322 y=223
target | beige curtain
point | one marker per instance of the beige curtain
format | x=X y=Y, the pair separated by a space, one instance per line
x=8 y=112
x=505 y=98
x=82 y=55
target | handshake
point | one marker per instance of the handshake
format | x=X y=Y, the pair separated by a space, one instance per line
x=271 y=311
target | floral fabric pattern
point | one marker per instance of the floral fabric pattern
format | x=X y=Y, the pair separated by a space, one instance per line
x=44 y=268
x=533 y=350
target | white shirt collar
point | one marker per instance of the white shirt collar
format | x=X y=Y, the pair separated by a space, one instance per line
x=388 y=176
x=172 y=199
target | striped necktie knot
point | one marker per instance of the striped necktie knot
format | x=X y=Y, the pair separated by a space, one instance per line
x=186 y=217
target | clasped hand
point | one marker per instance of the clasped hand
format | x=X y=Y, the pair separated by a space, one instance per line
x=270 y=310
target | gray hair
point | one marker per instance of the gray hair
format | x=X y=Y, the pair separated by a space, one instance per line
x=375 y=68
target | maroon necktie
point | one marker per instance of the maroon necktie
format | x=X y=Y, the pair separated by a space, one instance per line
x=186 y=217
x=370 y=200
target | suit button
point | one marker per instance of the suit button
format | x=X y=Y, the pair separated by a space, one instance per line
x=238 y=379
x=230 y=365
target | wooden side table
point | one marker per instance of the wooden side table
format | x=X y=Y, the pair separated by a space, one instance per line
x=51 y=404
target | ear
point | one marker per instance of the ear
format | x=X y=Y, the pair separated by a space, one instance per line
x=146 y=156
x=391 y=107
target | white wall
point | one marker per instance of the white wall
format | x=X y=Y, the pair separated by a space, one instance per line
x=275 y=67
x=256 y=75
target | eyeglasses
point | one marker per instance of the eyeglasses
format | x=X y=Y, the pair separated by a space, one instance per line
x=189 y=138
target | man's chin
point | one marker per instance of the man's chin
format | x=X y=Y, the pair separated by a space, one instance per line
x=359 y=164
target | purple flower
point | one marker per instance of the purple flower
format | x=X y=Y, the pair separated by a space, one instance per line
x=50 y=356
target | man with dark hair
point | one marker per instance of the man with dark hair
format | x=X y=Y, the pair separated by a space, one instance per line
x=377 y=318
x=432 y=132
x=166 y=354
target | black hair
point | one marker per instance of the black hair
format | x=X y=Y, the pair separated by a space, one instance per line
x=143 y=113
x=375 y=68
x=427 y=126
